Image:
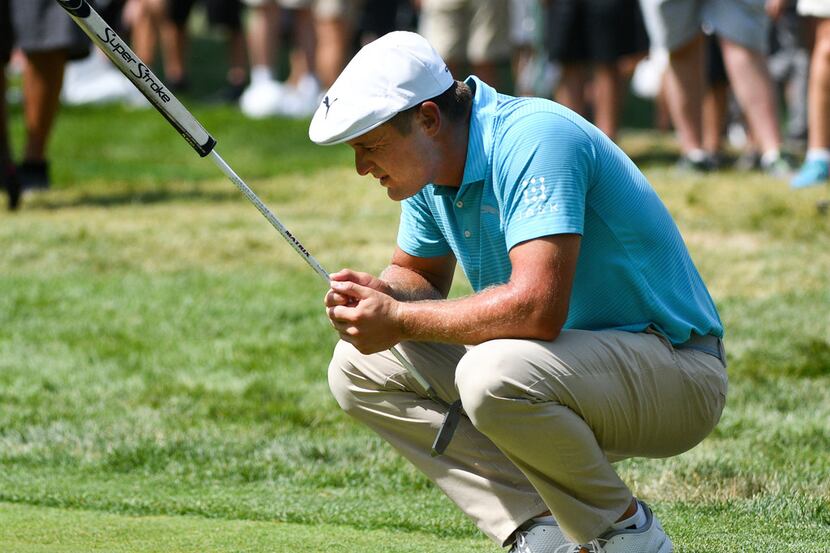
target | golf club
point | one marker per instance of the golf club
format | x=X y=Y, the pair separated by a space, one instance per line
x=191 y=130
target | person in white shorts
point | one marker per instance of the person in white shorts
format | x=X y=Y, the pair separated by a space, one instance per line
x=742 y=27
x=816 y=167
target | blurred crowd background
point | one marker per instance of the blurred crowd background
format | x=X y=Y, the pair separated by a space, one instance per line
x=748 y=76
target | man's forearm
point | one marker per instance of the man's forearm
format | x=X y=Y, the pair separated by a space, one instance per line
x=533 y=304
x=407 y=285
x=498 y=312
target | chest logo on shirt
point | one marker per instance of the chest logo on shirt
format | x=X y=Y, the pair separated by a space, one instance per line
x=535 y=198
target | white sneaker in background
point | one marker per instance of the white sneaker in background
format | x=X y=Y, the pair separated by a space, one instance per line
x=94 y=80
x=135 y=99
x=301 y=101
x=262 y=98
x=647 y=79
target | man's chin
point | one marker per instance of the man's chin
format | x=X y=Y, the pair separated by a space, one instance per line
x=397 y=195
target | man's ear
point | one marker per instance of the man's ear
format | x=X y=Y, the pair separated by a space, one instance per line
x=429 y=118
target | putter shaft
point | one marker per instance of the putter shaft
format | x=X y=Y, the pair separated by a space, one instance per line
x=204 y=144
x=313 y=263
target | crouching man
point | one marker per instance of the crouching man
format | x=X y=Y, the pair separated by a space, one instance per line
x=590 y=336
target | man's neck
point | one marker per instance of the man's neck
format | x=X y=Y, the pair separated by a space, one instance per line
x=455 y=145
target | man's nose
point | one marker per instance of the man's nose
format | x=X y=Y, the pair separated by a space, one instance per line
x=361 y=165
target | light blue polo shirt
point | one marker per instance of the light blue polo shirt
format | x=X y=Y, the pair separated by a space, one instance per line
x=535 y=168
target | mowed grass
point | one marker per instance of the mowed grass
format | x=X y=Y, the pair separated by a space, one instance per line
x=163 y=355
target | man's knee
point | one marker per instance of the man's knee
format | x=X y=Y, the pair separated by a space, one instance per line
x=356 y=379
x=489 y=382
x=341 y=375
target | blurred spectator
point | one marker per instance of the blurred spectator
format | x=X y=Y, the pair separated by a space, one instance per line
x=789 y=65
x=379 y=17
x=149 y=23
x=594 y=36
x=816 y=167
x=223 y=14
x=95 y=79
x=535 y=74
x=742 y=28
x=474 y=33
x=8 y=179
x=48 y=38
x=264 y=92
x=648 y=81
x=265 y=95
x=175 y=43
x=715 y=102
x=165 y=22
x=322 y=33
x=334 y=23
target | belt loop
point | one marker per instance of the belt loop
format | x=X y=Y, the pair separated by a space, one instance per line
x=711 y=345
x=722 y=352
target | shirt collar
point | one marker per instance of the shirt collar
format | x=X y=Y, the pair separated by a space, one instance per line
x=485 y=99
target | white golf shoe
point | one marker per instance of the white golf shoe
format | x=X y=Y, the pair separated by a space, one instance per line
x=541 y=537
x=650 y=538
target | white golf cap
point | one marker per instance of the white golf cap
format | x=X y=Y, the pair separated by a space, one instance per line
x=392 y=74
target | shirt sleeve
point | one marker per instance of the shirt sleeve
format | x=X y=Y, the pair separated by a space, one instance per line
x=418 y=233
x=544 y=164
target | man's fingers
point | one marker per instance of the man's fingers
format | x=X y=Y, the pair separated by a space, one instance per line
x=342 y=274
x=347 y=331
x=341 y=314
x=348 y=275
x=344 y=328
x=333 y=298
x=340 y=326
x=345 y=292
x=351 y=289
x=366 y=280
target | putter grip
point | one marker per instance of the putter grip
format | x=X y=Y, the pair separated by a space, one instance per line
x=141 y=76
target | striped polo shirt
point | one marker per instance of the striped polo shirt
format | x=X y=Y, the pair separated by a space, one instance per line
x=535 y=168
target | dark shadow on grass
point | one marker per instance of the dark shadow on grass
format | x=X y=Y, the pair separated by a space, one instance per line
x=136 y=198
x=663 y=158
x=654 y=158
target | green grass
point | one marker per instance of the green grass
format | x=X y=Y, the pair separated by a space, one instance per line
x=37 y=530
x=163 y=354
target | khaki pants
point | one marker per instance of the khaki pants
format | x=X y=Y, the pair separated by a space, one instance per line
x=477 y=31
x=546 y=419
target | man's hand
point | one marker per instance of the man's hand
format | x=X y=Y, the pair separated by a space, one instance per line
x=347 y=275
x=362 y=311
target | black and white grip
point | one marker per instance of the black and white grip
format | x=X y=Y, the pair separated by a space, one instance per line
x=139 y=73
